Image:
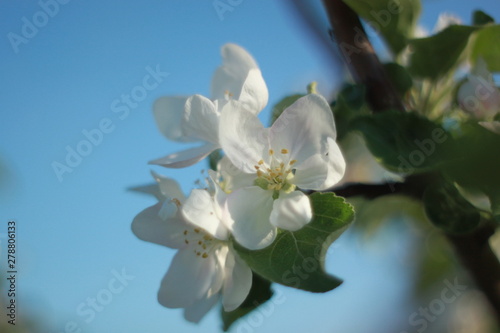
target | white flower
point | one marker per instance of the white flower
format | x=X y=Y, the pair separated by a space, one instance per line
x=478 y=95
x=445 y=20
x=196 y=118
x=298 y=150
x=205 y=267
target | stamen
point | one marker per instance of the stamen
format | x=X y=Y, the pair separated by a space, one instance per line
x=271 y=152
x=284 y=151
x=197 y=230
x=292 y=162
x=261 y=162
x=205 y=255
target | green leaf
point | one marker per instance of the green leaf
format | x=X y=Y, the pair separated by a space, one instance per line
x=399 y=76
x=296 y=259
x=434 y=56
x=480 y=18
x=395 y=20
x=404 y=142
x=349 y=104
x=448 y=210
x=475 y=161
x=282 y=105
x=259 y=293
x=487 y=46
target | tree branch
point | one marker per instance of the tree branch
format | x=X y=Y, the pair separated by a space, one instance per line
x=473 y=249
x=360 y=57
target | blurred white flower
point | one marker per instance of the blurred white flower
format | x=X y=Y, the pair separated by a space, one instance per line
x=478 y=95
x=195 y=118
x=298 y=150
x=445 y=20
x=205 y=268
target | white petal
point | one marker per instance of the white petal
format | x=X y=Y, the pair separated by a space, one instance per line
x=320 y=172
x=254 y=93
x=249 y=209
x=169 y=188
x=303 y=128
x=232 y=176
x=291 y=211
x=200 y=210
x=218 y=194
x=242 y=137
x=312 y=173
x=336 y=164
x=148 y=226
x=479 y=96
x=168 y=210
x=186 y=157
x=201 y=119
x=236 y=63
x=237 y=283
x=195 y=312
x=493 y=126
x=169 y=112
x=188 y=279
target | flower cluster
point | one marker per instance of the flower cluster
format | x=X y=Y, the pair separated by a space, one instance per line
x=253 y=194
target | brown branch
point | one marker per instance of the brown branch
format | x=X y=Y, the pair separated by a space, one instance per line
x=473 y=249
x=359 y=55
x=481 y=262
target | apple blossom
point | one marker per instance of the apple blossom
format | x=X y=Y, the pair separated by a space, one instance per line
x=479 y=95
x=298 y=150
x=205 y=268
x=195 y=118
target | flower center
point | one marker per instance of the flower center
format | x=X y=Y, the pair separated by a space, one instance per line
x=228 y=95
x=201 y=243
x=277 y=174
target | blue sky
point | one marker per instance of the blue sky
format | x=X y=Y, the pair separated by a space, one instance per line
x=74 y=230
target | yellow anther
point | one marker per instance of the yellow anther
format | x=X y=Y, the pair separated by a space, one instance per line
x=256 y=167
x=284 y=151
x=207 y=237
x=292 y=162
x=176 y=201
x=271 y=152
x=261 y=162
x=205 y=255
x=197 y=230
x=185 y=232
x=204 y=247
x=259 y=173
